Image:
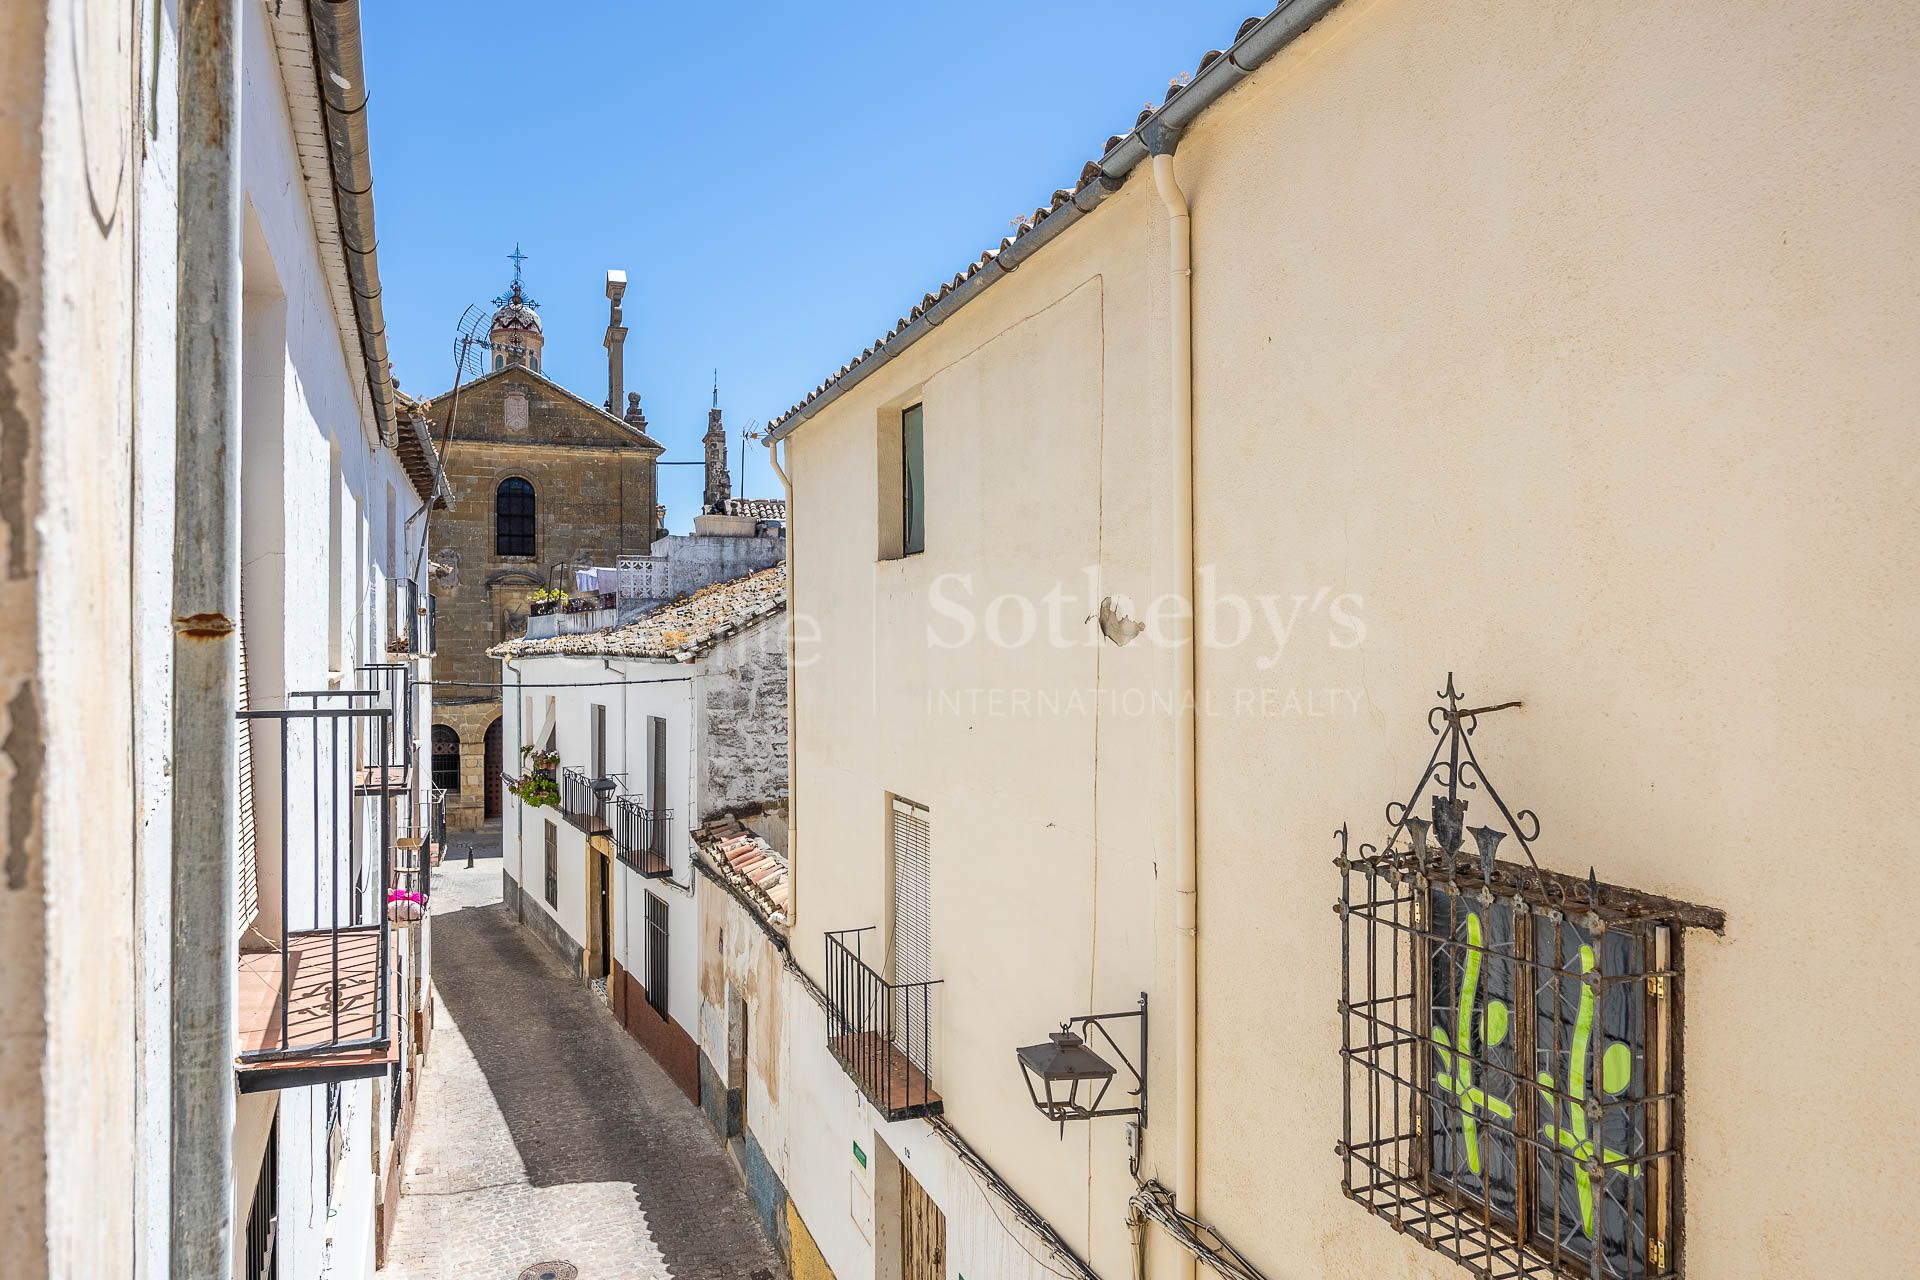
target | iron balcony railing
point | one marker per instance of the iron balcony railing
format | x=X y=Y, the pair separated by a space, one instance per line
x=422 y=835
x=394 y=682
x=414 y=618
x=322 y=985
x=881 y=1032
x=584 y=801
x=640 y=837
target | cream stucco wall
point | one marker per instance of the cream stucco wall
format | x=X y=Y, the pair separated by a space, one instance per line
x=1042 y=431
x=1564 y=347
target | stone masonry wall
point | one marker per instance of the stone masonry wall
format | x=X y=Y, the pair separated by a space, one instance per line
x=743 y=733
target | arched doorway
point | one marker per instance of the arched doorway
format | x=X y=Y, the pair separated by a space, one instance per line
x=493 y=767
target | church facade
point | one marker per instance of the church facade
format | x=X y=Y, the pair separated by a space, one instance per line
x=543 y=481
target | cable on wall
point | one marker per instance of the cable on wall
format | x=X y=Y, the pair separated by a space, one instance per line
x=1155 y=1201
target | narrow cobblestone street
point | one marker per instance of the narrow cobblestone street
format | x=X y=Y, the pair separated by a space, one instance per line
x=544 y=1133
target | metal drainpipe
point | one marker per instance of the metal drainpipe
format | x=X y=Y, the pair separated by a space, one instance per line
x=793 y=699
x=1186 y=735
x=206 y=578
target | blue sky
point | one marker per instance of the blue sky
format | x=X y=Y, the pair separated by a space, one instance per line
x=780 y=182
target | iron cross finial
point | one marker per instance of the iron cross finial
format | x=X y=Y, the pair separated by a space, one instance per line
x=516 y=257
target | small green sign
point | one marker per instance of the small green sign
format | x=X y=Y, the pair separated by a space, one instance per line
x=859 y=1155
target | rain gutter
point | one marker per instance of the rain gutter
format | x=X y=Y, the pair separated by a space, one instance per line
x=340 y=70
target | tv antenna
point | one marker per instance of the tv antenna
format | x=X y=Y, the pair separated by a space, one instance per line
x=471 y=341
x=751 y=431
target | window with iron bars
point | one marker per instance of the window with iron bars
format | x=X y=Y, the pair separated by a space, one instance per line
x=553 y=865
x=1511 y=1039
x=657 y=954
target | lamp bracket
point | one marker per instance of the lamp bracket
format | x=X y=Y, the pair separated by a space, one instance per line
x=1137 y=1067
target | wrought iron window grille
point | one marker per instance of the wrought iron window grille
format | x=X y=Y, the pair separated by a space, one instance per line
x=1510 y=1039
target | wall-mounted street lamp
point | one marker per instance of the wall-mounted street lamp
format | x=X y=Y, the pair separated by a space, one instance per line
x=1067 y=1080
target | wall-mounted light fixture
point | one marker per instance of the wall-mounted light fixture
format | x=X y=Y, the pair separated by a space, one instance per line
x=1067 y=1080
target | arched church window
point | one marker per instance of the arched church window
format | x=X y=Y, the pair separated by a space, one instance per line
x=513 y=508
x=499 y=361
x=446 y=758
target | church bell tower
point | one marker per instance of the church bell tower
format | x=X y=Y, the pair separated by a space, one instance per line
x=719 y=483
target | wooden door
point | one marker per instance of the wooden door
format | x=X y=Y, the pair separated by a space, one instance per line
x=602 y=903
x=490 y=782
x=923 y=1233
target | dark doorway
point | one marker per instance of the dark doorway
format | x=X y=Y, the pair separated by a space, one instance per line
x=446 y=758
x=263 y=1219
x=491 y=778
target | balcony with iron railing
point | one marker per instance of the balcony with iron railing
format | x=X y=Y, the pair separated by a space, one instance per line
x=415 y=619
x=417 y=847
x=640 y=837
x=584 y=801
x=880 y=1032
x=315 y=986
x=393 y=684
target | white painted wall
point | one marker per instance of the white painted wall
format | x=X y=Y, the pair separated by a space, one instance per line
x=806 y=1116
x=89 y=151
x=297 y=369
x=632 y=690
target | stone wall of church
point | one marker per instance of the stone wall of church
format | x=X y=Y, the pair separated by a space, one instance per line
x=594 y=499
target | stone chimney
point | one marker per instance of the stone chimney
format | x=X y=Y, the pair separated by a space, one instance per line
x=616 y=341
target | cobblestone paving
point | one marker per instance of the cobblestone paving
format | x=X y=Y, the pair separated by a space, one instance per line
x=543 y=1131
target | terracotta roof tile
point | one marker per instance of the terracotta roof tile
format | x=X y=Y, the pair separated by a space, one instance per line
x=680 y=631
x=752 y=866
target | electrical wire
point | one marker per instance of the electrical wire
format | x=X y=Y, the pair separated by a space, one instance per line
x=976 y=1164
x=579 y=684
x=1154 y=1201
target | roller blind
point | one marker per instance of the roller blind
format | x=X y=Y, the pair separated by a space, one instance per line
x=246 y=853
x=911 y=923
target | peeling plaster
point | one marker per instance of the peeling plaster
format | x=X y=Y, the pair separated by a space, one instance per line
x=1117 y=626
x=24 y=752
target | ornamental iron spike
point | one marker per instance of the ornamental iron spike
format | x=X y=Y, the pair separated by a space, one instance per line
x=1448 y=815
x=1488 y=840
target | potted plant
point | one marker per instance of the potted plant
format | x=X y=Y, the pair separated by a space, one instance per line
x=536 y=791
x=545 y=600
